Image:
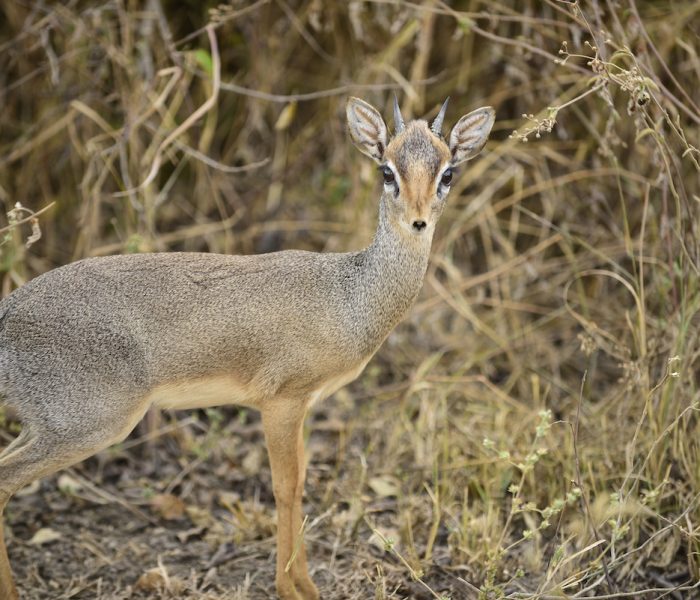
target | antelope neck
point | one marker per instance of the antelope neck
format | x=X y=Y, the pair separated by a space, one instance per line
x=393 y=269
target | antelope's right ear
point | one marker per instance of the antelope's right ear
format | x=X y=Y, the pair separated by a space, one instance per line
x=367 y=128
x=470 y=133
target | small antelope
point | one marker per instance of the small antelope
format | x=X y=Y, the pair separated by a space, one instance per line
x=87 y=348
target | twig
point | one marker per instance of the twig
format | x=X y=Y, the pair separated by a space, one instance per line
x=32 y=216
x=579 y=483
x=662 y=62
x=220 y=22
x=299 y=26
x=109 y=497
x=336 y=91
x=191 y=120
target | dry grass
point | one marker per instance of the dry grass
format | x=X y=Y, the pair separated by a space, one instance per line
x=531 y=430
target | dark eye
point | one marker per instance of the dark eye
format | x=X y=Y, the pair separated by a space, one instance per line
x=446 y=177
x=388 y=175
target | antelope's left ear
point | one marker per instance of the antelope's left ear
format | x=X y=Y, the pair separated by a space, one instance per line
x=469 y=135
x=367 y=128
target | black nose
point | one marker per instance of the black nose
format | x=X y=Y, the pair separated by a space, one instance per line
x=419 y=225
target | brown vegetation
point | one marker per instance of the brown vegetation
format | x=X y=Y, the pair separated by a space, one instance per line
x=530 y=431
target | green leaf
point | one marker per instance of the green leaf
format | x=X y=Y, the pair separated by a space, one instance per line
x=204 y=59
x=465 y=24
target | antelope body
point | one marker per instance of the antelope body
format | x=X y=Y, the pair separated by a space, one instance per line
x=87 y=348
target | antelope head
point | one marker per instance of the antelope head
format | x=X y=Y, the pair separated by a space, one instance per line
x=417 y=163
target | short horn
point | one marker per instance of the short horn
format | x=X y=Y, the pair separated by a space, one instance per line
x=398 y=119
x=436 y=127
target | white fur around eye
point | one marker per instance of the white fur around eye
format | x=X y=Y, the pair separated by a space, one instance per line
x=390 y=186
x=444 y=188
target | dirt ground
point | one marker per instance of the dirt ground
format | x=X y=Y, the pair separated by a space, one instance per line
x=145 y=521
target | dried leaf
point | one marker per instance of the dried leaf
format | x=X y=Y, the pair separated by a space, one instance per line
x=252 y=462
x=152 y=580
x=200 y=516
x=385 y=486
x=286 y=116
x=168 y=506
x=36 y=233
x=69 y=485
x=45 y=535
x=185 y=536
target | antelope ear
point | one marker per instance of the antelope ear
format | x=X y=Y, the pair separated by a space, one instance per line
x=367 y=128
x=469 y=135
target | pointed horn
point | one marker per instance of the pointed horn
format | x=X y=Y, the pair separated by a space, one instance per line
x=436 y=127
x=398 y=119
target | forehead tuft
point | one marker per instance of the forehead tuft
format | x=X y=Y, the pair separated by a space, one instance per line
x=417 y=146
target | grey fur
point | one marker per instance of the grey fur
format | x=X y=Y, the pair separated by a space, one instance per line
x=121 y=325
x=415 y=143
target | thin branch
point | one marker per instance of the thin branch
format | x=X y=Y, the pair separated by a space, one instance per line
x=191 y=120
x=299 y=26
x=336 y=91
x=579 y=482
x=668 y=71
x=32 y=216
x=221 y=21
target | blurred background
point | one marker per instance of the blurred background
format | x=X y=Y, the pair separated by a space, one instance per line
x=529 y=431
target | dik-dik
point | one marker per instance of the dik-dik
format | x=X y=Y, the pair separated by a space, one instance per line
x=87 y=348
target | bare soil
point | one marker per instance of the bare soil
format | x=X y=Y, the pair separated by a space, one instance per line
x=150 y=522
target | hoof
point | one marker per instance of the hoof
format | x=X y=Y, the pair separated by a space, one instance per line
x=286 y=589
x=306 y=588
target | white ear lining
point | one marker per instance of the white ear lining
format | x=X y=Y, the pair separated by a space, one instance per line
x=367 y=128
x=470 y=133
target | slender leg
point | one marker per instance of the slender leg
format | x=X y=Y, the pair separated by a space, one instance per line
x=20 y=464
x=282 y=424
x=300 y=569
x=37 y=453
x=7 y=585
x=14 y=450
